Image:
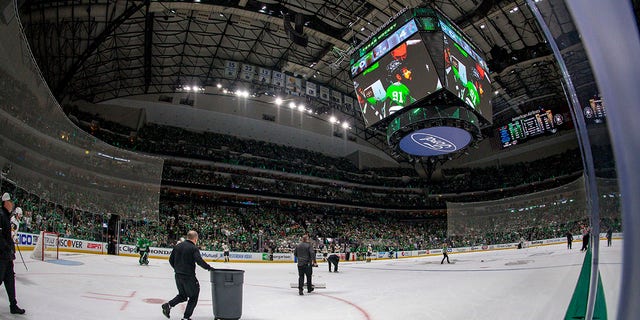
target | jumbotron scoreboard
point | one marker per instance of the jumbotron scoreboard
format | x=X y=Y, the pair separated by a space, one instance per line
x=530 y=125
x=419 y=72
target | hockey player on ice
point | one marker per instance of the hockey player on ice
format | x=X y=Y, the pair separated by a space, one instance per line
x=15 y=223
x=143 y=247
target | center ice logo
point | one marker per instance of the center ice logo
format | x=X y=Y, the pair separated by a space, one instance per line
x=433 y=142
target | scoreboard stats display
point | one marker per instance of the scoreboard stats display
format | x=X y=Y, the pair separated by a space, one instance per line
x=416 y=54
x=532 y=124
x=595 y=112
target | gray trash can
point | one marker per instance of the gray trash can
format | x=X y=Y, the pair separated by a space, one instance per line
x=226 y=291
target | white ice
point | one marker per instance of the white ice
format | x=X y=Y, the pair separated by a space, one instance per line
x=532 y=283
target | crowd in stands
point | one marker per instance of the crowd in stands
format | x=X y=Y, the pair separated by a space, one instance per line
x=220 y=148
x=42 y=215
x=276 y=226
x=242 y=181
x=259 y=196
x=216 y=161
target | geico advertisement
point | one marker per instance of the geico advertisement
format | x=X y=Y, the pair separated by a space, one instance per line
x=27 y=239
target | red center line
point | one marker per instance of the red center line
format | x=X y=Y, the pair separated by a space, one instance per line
x=364 y=313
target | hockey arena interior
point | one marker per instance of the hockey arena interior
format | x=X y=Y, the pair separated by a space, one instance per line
x=460 y=159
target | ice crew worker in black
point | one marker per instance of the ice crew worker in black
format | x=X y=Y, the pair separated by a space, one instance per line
x=8 y=254
x=306 y=261
x=183 y=259
x=333 y=260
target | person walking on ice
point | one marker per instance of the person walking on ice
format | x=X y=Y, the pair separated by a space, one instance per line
x=444 y=253
x=183 y=260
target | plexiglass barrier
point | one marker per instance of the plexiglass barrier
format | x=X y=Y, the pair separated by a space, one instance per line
x=43 y=152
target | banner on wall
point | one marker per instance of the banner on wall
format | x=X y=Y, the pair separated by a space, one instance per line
x=294 y=85
x=278 y=79
x=348 y=102
x=264 y=75
x=311 y=89
x=248 y=72
x=231 y=69
x=324 y=93
x=336 y=96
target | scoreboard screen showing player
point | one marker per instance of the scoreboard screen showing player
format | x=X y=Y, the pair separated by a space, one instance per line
x=394 y=75
x=532 y=124
x=466 y=72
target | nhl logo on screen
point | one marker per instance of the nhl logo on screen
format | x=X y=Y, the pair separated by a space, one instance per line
x=433 y=142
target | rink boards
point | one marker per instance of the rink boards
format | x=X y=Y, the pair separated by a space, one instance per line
x=27 y=242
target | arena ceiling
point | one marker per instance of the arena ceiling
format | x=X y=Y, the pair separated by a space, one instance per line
x=98 y=50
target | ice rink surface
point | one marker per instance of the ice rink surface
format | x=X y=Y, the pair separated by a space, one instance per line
x=531 y=283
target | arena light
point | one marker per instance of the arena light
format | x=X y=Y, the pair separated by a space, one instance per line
x=278 y=101
x=333 y=119
x=292 y=105
x=193 y=88
x=345 y=125
x=301 y=108
x=242 y=93
x=219 y=85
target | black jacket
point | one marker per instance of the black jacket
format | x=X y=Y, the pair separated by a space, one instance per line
x=7 y=248
x=184 y=257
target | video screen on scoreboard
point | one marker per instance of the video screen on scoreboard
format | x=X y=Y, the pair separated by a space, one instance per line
x=466 y=77
x=402 y=76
